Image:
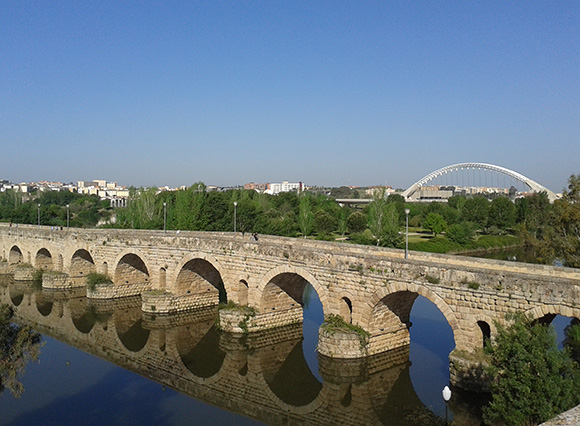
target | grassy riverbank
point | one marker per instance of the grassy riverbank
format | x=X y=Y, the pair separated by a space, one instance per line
x=441 y=244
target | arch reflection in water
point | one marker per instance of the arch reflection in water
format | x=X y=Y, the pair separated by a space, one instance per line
x=264 y=375
x=199 y=347
x=129 y=327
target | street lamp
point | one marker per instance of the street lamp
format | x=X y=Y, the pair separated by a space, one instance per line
x=446 y=396
x=407 y=211
x=235 y=211
x=164 y=216
x=38 y=215
x=67 y=215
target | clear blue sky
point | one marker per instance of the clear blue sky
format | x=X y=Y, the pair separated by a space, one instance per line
x=326 y=92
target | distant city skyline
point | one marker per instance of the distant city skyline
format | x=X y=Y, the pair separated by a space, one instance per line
x=328 y=93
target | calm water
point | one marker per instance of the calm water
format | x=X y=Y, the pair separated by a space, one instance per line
x=117 y=367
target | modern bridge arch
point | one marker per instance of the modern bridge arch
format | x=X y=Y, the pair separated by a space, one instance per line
x=272 y=289
x=396 y=300
x=533 y=185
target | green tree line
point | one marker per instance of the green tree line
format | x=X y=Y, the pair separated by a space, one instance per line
x=83 y=210
x=460 y=224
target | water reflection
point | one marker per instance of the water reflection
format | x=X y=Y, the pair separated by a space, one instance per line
x=267 y=376
x=19 y=345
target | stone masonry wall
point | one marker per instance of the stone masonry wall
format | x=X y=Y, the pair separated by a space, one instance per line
x=466 y=290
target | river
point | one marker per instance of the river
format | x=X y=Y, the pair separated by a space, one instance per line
x=113 y=365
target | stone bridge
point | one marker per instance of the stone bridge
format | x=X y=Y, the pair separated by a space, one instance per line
x=371 y=287
x=263 y=376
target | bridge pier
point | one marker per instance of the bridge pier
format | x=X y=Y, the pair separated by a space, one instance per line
x=23 y=273
x=247 y=320
x=112 y=291
x=162 y=302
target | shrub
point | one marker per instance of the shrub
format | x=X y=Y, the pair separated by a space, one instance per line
x=94 y=279
x=333 y=323
x=460 y=233
x=533 y=380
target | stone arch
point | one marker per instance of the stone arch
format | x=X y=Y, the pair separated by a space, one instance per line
x=485 y=332
x=81 y=263
x=393 y=304
x=199 y=275
x=162 y=278
x=15 y=255
x=273 y=292
x=345 y=309
x=239 y=292
x=44 y=260
x=131 y=269
x=105 y=268
x=539 y=312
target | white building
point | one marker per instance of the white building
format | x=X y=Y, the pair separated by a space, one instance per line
x=276 y=188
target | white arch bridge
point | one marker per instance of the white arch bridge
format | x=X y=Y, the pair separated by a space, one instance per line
x=412 y=193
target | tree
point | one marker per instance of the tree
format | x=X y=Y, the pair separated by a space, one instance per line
x=343 y=220
x=305 y=215
x=501 y=213
x=564 y=237
x=357 y=222
x=460 y=233
x=383 y=221
x=532 y=213
x=475 y=210
x=18 y=346
x=435 y=223
x=533 y=380
x=324 y=223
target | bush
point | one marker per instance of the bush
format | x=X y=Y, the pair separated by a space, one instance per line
x=533 y=380
x=94 y=279
x=461 y=233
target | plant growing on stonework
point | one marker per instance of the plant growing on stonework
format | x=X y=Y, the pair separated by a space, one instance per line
x=94 y=279
x=37 y=278
x=533 y=380
x=333 y=323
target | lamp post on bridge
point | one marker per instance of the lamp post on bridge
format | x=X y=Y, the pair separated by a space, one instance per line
x=407 y=211
x=67 y=215
x=164 y=217
x=38 y=215
x=235 y=213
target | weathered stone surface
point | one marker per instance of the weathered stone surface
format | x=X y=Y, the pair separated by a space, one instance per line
x=371 y=287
